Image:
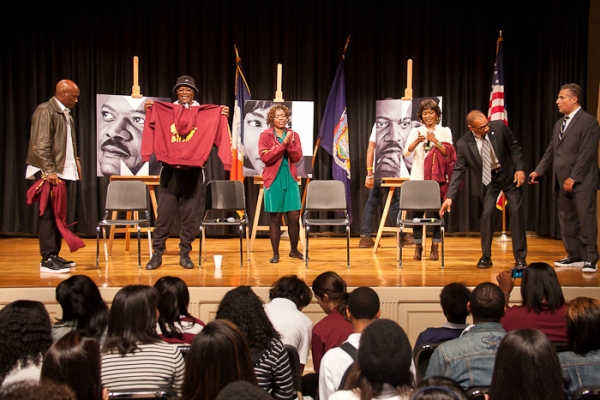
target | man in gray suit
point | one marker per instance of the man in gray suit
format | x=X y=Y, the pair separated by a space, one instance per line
x=493 y=156
x=573 y=154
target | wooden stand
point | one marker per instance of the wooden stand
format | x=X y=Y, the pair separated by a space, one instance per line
x=392 y=183
x=258 y=180
x=151 y=182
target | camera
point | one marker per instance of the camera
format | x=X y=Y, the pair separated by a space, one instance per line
x=517 y=272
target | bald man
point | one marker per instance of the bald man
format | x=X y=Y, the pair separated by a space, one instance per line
x=53 y=155
x=492 y=141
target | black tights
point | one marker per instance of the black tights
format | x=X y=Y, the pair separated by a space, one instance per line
x=293 y=220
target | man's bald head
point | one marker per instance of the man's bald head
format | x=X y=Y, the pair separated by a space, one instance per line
x=67 y=92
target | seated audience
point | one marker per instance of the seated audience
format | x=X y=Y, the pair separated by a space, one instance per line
x=382 y=370
x=438 y=388
x=242 y=390
x=82 y=308
x=25 y=336
x=289 y=295
x=175 y=324
x=219 y=355
x=134 y=356
x=453 y=299
x=33 y=390
x=581 y=365
x=469 y=359
x=542 y=306
x=271 y=362
x=363 y=308
x=74 y=360
x=526 y=367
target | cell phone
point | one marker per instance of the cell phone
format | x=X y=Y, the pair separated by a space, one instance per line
x=517 y=272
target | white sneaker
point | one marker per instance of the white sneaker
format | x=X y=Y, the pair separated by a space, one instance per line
x=54 y=266
x=589 y=267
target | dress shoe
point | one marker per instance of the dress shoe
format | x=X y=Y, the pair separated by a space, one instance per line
x=434 y=256
x=407 y=239
x=296 y=254
x=589 y=267
x=520 y=263
x=155 y=262
x=274 y=259
x=485 y=262
x=569 y=262
x=418 y=252
x=365 y=242
x=185 y=261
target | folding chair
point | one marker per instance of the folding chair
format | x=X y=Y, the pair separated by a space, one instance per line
x=143 y=394
x=419 y=196
x=586 y=393
x=225 y=196
x=326 y=196
x=292 y=353
x=422 y=354
x=477 y=392
x=124 y=196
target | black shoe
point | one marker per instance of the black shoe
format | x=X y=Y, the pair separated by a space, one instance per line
x=155 y=262
x=70 y=264
x=185 y=261
x=485 y=262
x=589 y=267
x=520 y=263
x=569 y=262
x=296 y=254
x=53 y=265
x=274 y=259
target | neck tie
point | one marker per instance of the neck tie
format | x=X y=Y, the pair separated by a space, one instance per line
x=486 y=162
x=563 y=127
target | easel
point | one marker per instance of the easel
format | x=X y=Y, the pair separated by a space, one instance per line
x=258 y=180
x=391 y=183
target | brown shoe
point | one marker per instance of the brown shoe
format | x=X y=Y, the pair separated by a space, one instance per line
x=418 y=252
x=433 y=256
x=366 y=241
x=407 y=239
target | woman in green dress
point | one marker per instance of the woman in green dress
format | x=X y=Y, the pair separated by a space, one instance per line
x=280 y=149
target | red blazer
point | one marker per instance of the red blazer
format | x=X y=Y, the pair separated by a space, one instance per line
x=271 y=153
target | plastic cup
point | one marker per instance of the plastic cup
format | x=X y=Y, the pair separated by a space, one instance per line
x=218 y=260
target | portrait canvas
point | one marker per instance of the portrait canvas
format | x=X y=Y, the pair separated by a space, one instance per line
x=255 y=122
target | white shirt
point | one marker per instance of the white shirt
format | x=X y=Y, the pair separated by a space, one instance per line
x=389 y=393
x=334 y=364
x=29 y=373
x=295 y=327
x=442 y=134
x=571 y=117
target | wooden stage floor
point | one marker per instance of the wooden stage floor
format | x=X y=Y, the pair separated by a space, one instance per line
x=19 y=264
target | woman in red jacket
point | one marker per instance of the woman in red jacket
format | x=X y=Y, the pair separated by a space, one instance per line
x=279 y=149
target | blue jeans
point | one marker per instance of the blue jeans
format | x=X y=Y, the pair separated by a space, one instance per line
x=375 y=196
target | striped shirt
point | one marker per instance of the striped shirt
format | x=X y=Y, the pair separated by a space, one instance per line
x=274 y=373
x=152 y=366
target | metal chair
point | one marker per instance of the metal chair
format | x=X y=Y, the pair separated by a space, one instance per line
x=422 y=354
x=419 y=196
x=124 y=196
x=292 y=353
x=225 y=196
x=586 y=393
x=477 y=392
x=143 y=394
x=326 y=196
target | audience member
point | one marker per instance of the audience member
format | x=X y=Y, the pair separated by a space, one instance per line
x=363 y=308
x=469 y=359
x=82 y=308
x=289 y=295
x=383 y=367
x=542 y=306
x=134 y=357
x=242 y=390
x=453 y=299
x=580 y=366
x=74 y=360
x=219 y=355
x=526 y=367
x=31 y=390
x=175 y=323
x=438 y=388
x=271 y=362
x=330 y=290
x=25 y=336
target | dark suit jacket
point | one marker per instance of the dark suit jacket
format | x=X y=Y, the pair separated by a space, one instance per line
x=576 y=156
x=507 y=150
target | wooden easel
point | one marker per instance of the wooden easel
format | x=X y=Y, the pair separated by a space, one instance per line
x=391 y=183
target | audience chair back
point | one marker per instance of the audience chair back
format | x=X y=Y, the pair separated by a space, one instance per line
x=292 y=353
x=422 y=354
x=586 y=393
x=129 y=196
x=477 y=392
x=224 y=196
x=326 y=196
x=142 y=394
x=419 y=196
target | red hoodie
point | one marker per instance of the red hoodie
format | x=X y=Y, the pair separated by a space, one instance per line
x=180 y=135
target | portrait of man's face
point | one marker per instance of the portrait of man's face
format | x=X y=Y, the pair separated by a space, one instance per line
x=392 y=124
x=120 y=123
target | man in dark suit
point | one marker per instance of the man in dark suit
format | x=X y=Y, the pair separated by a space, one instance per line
x=573 y=153
x=493 y=156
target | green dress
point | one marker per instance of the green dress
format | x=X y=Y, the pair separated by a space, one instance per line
x=283 y=195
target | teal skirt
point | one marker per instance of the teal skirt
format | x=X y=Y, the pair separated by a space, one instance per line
x=283 y=195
